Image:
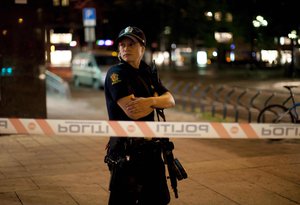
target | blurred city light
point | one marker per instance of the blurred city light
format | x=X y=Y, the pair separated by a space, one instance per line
x=232 y=56
x=293 y=34
x=181 y=55
x=161 y=57
x=52 y=48
x=201 y=58
x=64 y=32
x=61 y=57
x=21 y=1
x=167 y=30
x=223 y=37
x=42 y=76
x=100 y=42
x=286 y=57
x=73 y=43
x=259 y=21
x=218 y=16
x=228 y=17
x=61 y=2
x=103 y=42
x=57 y=38
x=269 y=56
x=108 y=43
x=60 y=48
x=4 y=32
x=6 y=71
x=20 y=20
x=209 y=15
x=284 y=41
x=114 y=53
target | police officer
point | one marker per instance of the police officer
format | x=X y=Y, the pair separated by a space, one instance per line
x=136 y=165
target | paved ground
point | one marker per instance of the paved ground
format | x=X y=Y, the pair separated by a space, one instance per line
x=40 y=170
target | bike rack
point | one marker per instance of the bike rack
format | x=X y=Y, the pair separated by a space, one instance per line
x=269 y=99
x=252 y=105
x=195 y=89
x=203 y=96
x=238 y=103
x=169 y=83
x=216 y=98
x=177 y=86
x=184 y=92
x=229 y=94
x=191 y=95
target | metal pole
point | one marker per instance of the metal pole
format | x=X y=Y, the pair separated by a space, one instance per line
x=291 y=70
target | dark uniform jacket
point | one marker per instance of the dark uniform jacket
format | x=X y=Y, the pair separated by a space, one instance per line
x=123 y=80
x=143 y=177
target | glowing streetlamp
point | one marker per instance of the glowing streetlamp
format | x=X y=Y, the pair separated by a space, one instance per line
x=293 y=36
x=259 y=21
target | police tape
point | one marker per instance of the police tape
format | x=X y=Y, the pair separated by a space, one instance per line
x=203 y=130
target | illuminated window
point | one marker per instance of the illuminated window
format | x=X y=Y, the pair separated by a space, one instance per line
x=61 y=57
x=228 y=17
x=223 y=37
x=65 y=2
x=208 y=15
x=285 y=41
x=60 y=38
x=4 y=32
x=20 y=20
x=269 y=56
x=61 y=2
x=21 y=1
x=201 y=58
x=56 y=2
x=218 y=16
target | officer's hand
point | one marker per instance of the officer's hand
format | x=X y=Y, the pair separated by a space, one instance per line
x=140 y=105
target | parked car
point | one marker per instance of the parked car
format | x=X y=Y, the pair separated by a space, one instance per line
x=89 y=68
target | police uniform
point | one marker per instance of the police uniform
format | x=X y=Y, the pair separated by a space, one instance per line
x=138 y=176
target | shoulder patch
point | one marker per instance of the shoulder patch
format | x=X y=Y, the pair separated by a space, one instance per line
x=114 y=78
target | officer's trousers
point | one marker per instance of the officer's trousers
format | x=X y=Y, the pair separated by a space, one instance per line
x=142 y=180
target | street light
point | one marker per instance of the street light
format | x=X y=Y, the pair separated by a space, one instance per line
x=259 y=21
x=292 y=35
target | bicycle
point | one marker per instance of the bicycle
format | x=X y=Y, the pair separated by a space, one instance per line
x=277 y=113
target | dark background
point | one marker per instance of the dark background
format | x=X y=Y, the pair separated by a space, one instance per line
x=23 y=45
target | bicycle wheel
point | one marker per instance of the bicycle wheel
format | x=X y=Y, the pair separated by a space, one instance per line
x=275 y=114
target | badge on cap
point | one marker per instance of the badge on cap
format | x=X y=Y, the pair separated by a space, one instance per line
x=114 y=78
x=129 y=29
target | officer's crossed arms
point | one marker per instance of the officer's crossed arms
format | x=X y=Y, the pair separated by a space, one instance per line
x=138 y=107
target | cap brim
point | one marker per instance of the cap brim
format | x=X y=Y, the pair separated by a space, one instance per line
x=132 y=37
x=128 y=36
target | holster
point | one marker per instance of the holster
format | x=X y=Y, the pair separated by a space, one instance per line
x=180 y=171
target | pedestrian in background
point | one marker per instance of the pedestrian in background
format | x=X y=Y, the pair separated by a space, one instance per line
x=136 y=164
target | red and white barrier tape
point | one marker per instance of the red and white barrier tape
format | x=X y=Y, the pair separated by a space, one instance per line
x=147 y=129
